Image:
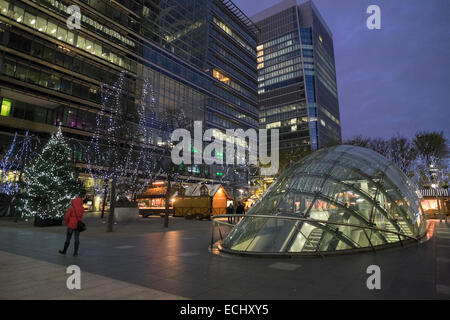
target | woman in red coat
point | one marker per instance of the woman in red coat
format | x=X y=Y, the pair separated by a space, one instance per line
x=73 y=215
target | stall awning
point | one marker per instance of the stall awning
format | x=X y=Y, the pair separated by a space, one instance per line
x=432 y=193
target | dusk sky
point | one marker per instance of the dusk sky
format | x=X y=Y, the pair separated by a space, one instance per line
x=393 y=80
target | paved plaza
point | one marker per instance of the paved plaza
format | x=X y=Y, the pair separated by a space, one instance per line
x=142 y=260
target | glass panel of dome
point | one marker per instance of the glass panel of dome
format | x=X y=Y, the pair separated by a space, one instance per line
x=299 y=241
x=331 y=189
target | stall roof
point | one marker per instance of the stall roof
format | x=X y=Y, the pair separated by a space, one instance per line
x=194 y=191
x=431 y=193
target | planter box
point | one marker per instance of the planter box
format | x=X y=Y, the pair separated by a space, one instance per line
x=47 y=222
x=126 y=214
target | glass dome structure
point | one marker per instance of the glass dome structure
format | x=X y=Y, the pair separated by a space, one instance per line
x=337 y=199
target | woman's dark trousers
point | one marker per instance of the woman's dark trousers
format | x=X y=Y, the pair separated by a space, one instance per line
x=67 y=243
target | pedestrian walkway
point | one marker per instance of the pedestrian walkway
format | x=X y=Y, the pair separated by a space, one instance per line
x=27 y=278
x=142 y=260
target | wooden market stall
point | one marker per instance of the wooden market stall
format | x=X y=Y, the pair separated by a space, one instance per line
x=200 y=201
x=434 y=200
x=153 y=200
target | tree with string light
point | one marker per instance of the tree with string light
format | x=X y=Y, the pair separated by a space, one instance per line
x=119 y=153
x=51 y=182
x=12 y=164
x=168 y=120
x=13 y=161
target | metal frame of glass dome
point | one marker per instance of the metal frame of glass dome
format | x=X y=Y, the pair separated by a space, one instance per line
x=386 y=212
x=329 y=226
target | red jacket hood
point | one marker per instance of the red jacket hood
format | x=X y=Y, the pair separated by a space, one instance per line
x=77 y=204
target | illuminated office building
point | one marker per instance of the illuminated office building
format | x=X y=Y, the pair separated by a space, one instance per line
x=297 y=76
x=199 y=55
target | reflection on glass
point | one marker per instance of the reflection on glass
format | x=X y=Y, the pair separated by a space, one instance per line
x=41 y=24
x=61 y=34
x=51 y=29
x=30 y=20
x=18 y=13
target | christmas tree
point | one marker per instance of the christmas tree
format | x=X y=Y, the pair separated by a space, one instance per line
x=51 y=181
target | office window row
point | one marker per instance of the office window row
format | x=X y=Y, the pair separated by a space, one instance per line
x=278 y=47
x=276 y=41
x=54 y=56
x=283 y=108
x=281 y=78
x=297 y=60
x=61 y=8
x=233 y=35
x=232 y=46
x=280 y=72
x=214 y=104
x=61 y=33
x=228 y=57
x=246 y=87
x=278 y=53
x=51 y=80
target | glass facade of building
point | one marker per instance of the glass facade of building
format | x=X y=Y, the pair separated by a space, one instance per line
x=296 y=77
x=198 y=54
x=337 y=199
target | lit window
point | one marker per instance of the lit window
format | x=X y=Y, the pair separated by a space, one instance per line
x=30 y=20
x=61 y=34
x=145 y=11
x=70 y=37
x=89 y=45
x=273 y=125
x=6 y=108
x=51 y=29
x=41 y=24
x=221 y=77
x=3 y=6
x=18 y=13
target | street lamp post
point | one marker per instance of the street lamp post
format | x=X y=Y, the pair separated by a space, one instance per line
x=167 y=202
x=435 y=186
x=166 y=164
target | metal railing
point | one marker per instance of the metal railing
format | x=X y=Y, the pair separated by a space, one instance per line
x=217 y=223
